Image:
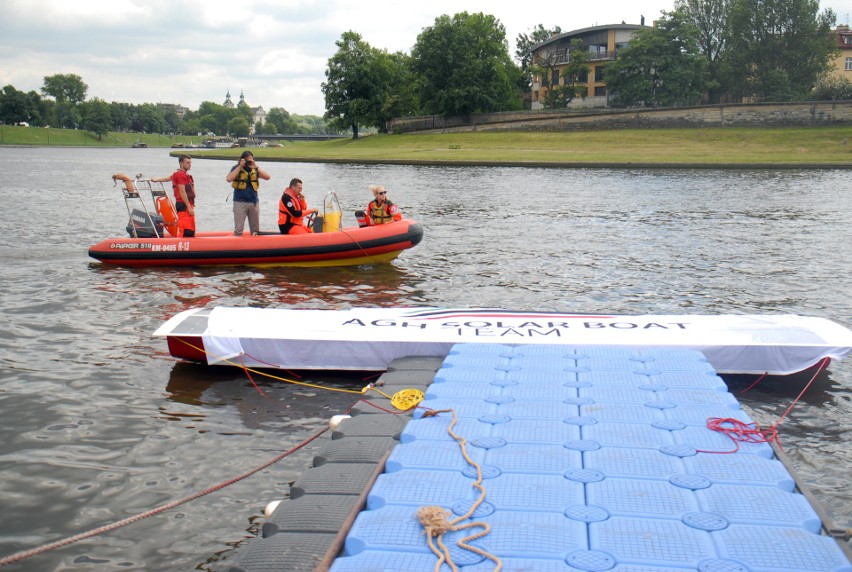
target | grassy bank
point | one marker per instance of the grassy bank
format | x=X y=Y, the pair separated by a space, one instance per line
x=791 y=147
x=827 y=146
x=49 y=136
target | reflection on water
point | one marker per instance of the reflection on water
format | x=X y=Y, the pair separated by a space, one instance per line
x=100 y=423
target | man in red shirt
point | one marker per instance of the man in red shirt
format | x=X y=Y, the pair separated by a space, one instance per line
x=183 y=186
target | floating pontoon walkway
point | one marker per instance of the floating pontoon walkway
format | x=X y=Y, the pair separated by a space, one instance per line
x=577 y=459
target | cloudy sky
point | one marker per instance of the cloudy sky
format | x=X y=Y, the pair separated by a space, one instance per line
x=273 y=51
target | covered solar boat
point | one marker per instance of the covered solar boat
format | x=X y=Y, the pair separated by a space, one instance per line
x=370 y=338
x=152 y=239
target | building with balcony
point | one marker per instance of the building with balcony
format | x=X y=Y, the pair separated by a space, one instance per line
x=600 y=43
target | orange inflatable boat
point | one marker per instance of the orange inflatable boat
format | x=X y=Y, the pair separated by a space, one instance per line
x=349 y=246
x=151 y=239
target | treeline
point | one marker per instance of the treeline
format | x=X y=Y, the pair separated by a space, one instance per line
x=703 y=51
x=62 y=103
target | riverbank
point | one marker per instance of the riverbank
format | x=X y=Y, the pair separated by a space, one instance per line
x=818 y=147
x=777 y=147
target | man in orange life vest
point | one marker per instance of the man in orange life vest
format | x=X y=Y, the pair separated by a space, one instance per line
x=183 y=186
x=381 y=210
x=292 y=209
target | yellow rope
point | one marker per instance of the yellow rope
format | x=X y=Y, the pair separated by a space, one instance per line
x=269 y=375
x=435 y=520
x=402 y=400
x=406 y=399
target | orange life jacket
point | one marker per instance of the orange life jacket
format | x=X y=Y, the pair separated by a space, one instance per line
x=284 y=215
x=385 y=212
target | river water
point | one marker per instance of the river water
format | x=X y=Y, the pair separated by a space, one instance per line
x=98 y=423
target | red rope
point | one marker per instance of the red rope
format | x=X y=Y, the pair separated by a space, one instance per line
x=248 y=375
x=162 y=508
x=756 y=381
x=740 y=432
x=275 y=365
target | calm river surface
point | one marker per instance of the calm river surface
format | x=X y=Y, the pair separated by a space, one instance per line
x=98 y=423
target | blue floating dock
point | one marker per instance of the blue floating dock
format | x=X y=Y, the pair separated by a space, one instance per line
x=592 y=459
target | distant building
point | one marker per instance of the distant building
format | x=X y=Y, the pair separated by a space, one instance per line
x=258 y=113
x=179 y=110
x=601 y=43
x=841 y=63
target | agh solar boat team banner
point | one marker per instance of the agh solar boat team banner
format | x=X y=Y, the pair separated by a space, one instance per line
x=369 y=338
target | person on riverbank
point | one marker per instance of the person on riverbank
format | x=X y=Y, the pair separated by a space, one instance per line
x=381 y=210
x=292 y=210
x=183 y=186
x=245 y=179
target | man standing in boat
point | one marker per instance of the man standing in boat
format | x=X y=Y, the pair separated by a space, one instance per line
x=245 y=179
x=292 y=209
x=183 y=186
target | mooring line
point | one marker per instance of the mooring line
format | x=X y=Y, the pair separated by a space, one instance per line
x=162 y=508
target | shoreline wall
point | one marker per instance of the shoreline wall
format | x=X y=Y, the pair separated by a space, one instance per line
x=803 y=114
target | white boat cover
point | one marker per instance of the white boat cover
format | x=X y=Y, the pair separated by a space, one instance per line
x=370 y=338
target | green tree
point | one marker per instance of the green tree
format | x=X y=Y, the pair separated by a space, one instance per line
x=661 y=66
x=778 y=49
x=524 y=44
x=148 y=118
x=278 y=120
x=462 y=65
x=69 y=91
x=398 y=96
x=97 y=117
x=574 y=74
x=832 y=87
x=171 y=118
x=357 y=84
x=238 y=126
x=122 y=115
x=68 y=115
x=18 y=106
x=710 y=19
x=214 y=117
x=65 y=88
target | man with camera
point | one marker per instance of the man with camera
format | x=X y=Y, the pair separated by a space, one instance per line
x=245 y=179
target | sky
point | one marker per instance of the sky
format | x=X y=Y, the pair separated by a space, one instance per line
x=275 y=52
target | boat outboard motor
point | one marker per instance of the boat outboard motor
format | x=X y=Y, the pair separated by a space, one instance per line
x=145 y=225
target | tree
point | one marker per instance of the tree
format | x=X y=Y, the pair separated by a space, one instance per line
x=148 y=118
x=523 y=49
x=122 y=115
x=574 y=75
x=462 y=65
x=68 y=90
x=18 y=106
x=777 y=49
x=398 y=96
x=710 y=19
x=238 y=126
x=65 y=88
x=278 y=120
x=660 y=67
x=97 y=117
x=832 y=87
x=357 y=84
